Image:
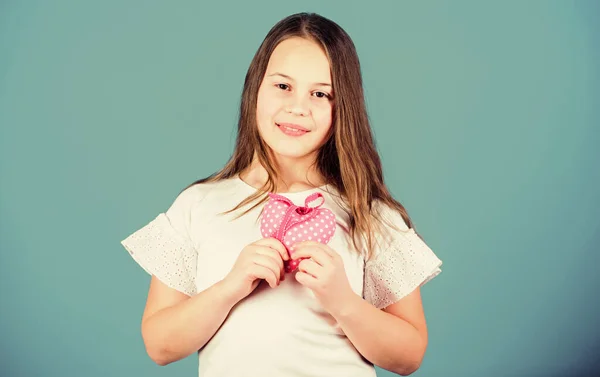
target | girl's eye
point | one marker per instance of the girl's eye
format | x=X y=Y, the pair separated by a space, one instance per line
x=321 y=95
x=317 y=94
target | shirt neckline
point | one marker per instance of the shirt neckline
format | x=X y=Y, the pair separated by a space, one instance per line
x=288 y=193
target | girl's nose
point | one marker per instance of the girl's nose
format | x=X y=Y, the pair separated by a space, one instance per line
x=297 y=106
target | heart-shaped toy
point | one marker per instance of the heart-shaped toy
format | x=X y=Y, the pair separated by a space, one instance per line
x=289 y=223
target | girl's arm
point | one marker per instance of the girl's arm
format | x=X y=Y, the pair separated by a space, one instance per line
x=394 y=338
x=175 y=325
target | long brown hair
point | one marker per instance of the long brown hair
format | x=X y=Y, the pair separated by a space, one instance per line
x=348 y=161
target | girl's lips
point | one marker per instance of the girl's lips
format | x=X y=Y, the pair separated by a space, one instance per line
x=292 y=125
x=289 y=131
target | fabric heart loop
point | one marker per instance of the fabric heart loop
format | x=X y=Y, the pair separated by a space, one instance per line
x=307 y=207
x=311 y=198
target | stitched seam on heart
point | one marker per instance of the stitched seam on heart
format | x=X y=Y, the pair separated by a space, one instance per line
x=283 y=226
x=286 y=222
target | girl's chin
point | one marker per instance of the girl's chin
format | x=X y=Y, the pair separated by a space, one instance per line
x=291 y=154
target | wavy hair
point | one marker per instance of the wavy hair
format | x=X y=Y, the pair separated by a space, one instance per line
x=348 y=161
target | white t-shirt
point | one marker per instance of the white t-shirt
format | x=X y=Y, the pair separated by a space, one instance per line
x=282 y=331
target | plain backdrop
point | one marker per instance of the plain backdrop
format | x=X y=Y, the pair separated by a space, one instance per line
x=486 y=115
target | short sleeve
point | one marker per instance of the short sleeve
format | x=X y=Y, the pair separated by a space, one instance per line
x=164 y=248
x=400 y=265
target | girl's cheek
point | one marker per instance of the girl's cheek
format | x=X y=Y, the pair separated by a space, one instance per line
x=269 y=103
x=323 y=115
x=277 y=98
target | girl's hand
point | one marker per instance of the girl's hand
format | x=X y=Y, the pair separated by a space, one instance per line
x=323 y=272
x=260 y=260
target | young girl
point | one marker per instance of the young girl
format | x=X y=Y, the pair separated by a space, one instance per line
x=294 y=259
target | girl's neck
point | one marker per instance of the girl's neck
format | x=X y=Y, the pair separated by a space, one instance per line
x=290 y=180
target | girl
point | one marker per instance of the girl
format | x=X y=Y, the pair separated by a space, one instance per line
x=294 y=259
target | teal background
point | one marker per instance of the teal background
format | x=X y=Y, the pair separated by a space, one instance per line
x=486 y=116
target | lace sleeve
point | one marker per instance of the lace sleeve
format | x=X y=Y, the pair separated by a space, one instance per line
x=163 y=253
x=163 y=247
x=398 y=270
x=401 y=263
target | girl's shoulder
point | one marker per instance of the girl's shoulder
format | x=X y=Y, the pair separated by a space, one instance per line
x=393 y=235
x=197 y=193
x=389 y=214
x=389 y=223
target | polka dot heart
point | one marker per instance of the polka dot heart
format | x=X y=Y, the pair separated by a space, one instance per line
x=289 y=223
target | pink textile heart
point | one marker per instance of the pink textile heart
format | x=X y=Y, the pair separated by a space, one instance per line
x=289 y=223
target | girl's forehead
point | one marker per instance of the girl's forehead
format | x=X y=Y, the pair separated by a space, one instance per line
x=300 y=59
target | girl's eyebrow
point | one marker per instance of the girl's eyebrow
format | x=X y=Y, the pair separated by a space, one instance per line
x=291 y=79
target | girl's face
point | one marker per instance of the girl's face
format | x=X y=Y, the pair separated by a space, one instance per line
x=295 y=100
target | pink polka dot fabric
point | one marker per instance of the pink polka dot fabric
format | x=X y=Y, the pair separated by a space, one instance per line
x=290 y=224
